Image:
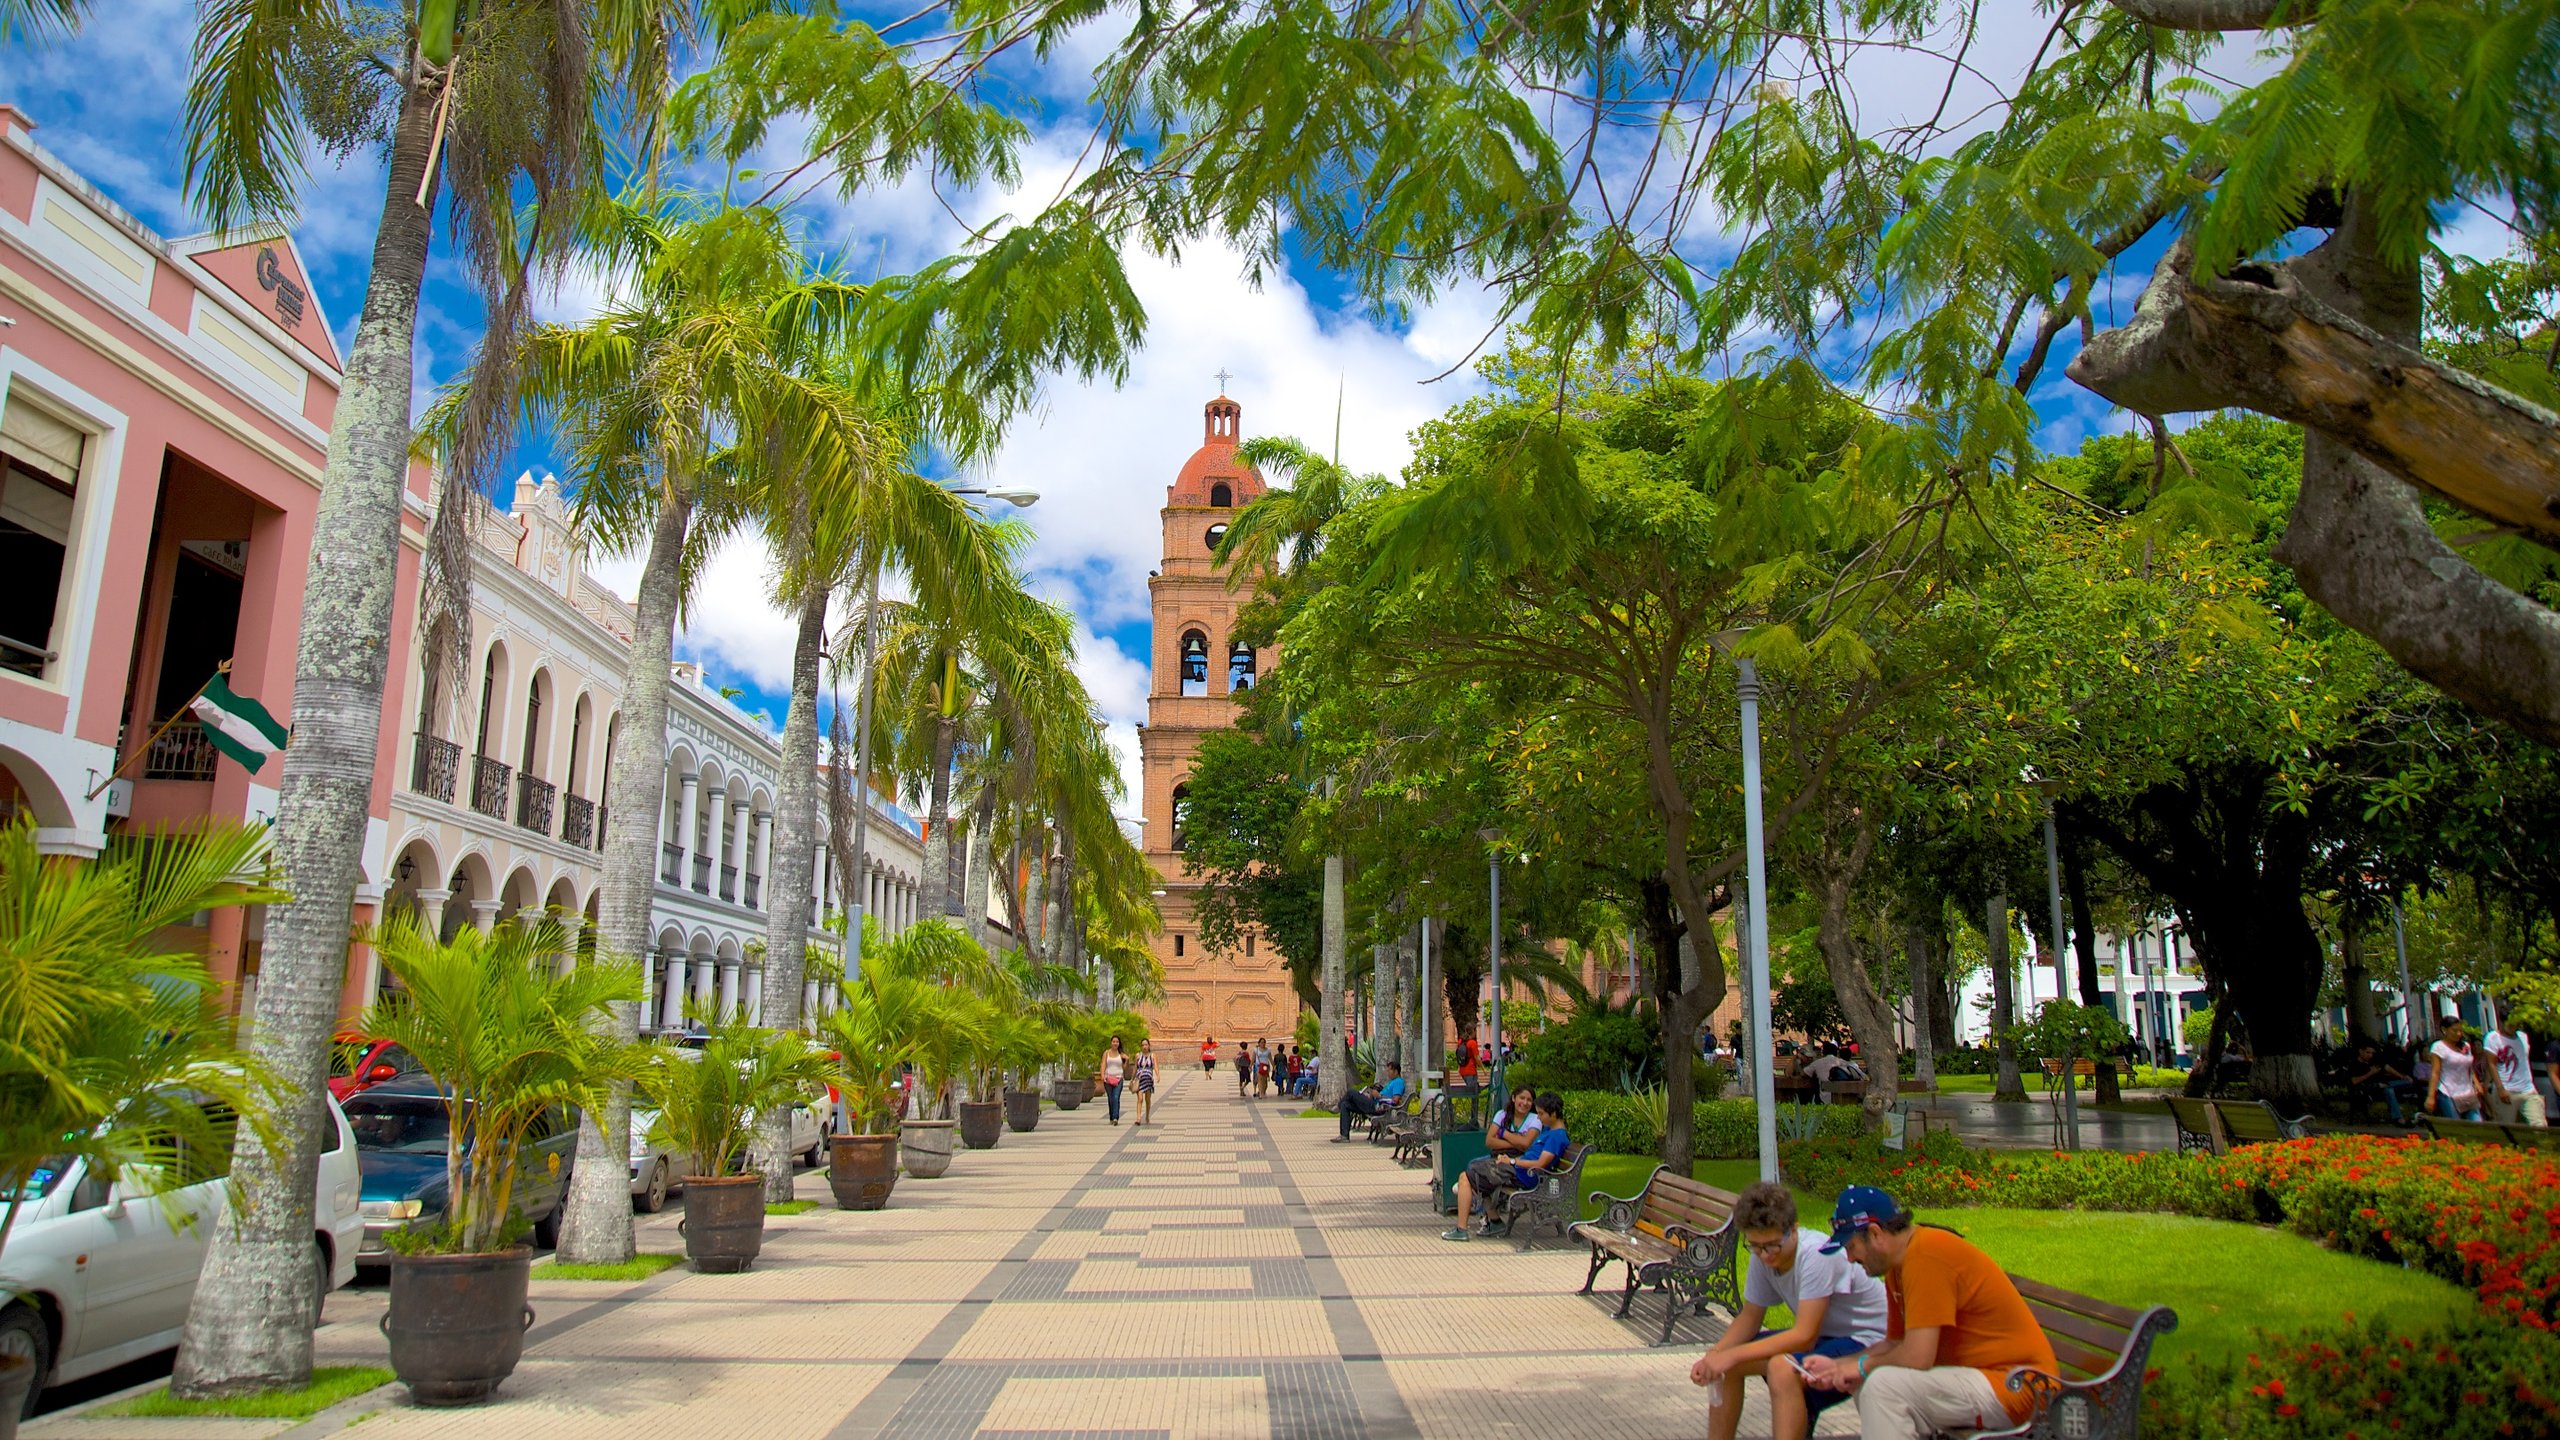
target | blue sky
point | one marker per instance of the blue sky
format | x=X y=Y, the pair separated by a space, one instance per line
x=110 y=103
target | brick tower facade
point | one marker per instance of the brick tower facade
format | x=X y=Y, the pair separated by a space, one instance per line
x=1195 y=669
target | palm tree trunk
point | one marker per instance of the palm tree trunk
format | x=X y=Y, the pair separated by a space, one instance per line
x=795 y=827
x=1061 y=893
x=980 y=856
x=249 y=1326
x=937 y=822
x=1333 y=1073
x=597 y=1220
x=2007 y=1086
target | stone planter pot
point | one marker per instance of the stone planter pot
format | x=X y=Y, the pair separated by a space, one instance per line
x=862 y=1169
x=17 y=1386
x=1094 y=1093
x=723 y=1225
x=1022 y=1110
x=981 y=1123
x=1069 y=1093
x=456 y=1323
x=924 y=1146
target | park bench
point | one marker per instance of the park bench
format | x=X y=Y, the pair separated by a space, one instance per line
x=2215 y=1126
x=1413 y=1135
x=1676 y=1235
x=2103 y=1350
x=1388 y=1125
x=2494 y=1132
x=1555 y=1200
x=1913 y=1087
x=2080 y=1070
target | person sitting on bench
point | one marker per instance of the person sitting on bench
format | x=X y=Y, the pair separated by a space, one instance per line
x=1834 y=1308
x=1376 y=1100
x=2371 y=1073
x=1489 y=1175
x=1516 y=1126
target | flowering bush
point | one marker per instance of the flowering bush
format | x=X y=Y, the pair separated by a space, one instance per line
x=2479 y=1216
x=1722 y=1129
x=2476 y=1377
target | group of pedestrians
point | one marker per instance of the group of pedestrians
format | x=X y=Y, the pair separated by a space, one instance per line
x=2502 y=1076
x=1915 y=1324
x=1120 y=1069
x=1263 y=1068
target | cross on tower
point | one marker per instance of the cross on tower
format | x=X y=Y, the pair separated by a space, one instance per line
x=1223 y=377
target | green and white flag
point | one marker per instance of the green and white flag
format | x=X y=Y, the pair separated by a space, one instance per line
x=237 y=725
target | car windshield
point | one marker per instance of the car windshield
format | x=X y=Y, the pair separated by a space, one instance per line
x=39 y=1181
x=415 y=1127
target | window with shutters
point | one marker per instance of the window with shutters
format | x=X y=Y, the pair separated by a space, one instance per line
x=42 y=455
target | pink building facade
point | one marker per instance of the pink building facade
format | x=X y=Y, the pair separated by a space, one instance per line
x=164 y=414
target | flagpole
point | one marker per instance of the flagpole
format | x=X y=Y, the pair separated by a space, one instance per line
x=153 y=738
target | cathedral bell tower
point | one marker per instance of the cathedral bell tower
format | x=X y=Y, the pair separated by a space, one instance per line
x=1196 y=669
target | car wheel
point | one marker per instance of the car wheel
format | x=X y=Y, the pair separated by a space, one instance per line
x=320 y=1285
x=654 y=1199
x=23 y=1333
x=816 y=1155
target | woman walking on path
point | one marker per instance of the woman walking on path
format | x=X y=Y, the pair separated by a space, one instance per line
x=1244 y=1068
x=1114 y=1066
x=2454 y=1074
x=1209 y=1055
x=1146 y=1078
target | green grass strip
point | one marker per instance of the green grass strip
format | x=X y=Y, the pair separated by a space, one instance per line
x=638 y=1267
x=789 y=1207
x=329 y=1385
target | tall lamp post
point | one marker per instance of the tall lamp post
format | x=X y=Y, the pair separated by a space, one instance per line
x=1764 y=1078
x=1014 y=495
x=2053 y=899
x=1493 y=945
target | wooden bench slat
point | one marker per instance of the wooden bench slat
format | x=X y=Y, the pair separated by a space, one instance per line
x=2116 y=1315
x=2059 y=1323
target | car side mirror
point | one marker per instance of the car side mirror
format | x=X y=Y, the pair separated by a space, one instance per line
x=115 y=1203
x=382 y=1072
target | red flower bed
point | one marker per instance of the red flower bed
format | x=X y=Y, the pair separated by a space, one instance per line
x=2477 y=1379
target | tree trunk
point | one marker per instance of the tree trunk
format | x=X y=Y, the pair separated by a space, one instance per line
x=1835 y=876
x=2084 y=929
x=979 y=858
x=1060 y=900
x=249 y=1325
x=1996 y=933
x=793 y=852
x=938 y=900
x=1334 y=1072
x=596 y=1228
x=1924 y=1053
x=2356 y=980
x=1674 y=975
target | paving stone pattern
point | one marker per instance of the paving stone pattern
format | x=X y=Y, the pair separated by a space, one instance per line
x=1221 y=1274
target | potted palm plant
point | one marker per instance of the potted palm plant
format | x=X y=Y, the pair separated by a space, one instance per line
x=872 y=1033
x=1024 y=1045
x=510 y=1039
x=982 y=1114
x=707 y=1102
x=116 y=1062
x=958 y=1031
x=1080 y=1039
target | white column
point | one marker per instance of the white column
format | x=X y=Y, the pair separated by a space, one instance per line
x=712 y=835
x=755 y=995
x=706 y=980
x=740 y=820
x=692 y=801
x=809 y=1011
x=764 y=849
x=671 y=994
x=484 y=915
x=729 y=989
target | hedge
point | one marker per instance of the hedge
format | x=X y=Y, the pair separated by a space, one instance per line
x=2471 y=1380
x=1723 y=1129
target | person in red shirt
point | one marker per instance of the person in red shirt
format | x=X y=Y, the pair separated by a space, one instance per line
x=1957 y=1333
x=1209 y=1055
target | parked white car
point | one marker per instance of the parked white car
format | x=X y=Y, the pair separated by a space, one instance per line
x=657 y=1170
x=97 y=1274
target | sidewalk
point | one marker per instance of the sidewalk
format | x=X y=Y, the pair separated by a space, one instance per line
x=1225 y=1273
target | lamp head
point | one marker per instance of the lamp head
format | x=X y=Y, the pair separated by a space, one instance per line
x=1013 y=494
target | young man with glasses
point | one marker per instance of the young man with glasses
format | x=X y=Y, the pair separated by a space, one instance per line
x=1835 y=1309
x=1957 y=1333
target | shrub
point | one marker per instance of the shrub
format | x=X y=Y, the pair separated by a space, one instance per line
x=1597 y=1049
x=1723 y=1129
x=2474 y=1378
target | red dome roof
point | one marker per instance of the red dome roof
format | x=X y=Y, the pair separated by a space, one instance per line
x=1215 y=461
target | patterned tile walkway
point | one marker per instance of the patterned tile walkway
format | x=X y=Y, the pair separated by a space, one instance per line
x=1221 y=1274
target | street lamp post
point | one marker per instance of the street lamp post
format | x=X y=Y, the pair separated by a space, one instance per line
x=1764 y=1078
x=1014 y=495
x=2408 y=997
x=1493 y=946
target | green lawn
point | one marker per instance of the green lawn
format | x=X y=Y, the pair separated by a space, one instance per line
x=638 y=1267
x=2144 y=1078
x=2223 y=1279
x=329 y=1385
x=789 y=1207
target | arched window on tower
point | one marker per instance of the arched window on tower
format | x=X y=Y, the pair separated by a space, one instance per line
x=1195 y=663
x=1181 y=800
x=1221 y=496
x=1239 y=667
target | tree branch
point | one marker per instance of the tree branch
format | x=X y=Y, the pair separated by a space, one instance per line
x=2212 y=15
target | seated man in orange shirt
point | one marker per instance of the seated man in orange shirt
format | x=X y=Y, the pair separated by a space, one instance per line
x=1956 y=1331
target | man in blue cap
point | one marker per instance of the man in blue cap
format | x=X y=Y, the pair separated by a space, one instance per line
x=1957 y=1333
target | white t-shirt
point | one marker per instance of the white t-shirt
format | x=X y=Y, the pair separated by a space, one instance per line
x=2454 y=1069
x=1857 y=1308
x=2512 y=1053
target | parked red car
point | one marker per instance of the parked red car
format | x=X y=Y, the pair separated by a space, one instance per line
x=360 y=1063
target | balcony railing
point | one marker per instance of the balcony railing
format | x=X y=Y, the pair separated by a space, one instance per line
x=489 y=786
x=533 y=803
x=180 y=753
x=435 y=768
x=728 y=882
x=601 y=814
x=702 y=874
x=755 y=892
x=671 y=863
x=578 y=820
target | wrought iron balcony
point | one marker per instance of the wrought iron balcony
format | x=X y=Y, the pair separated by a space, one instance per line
x=533 y=803
x=702 y=874
x=435 y=768
x=755 y=892
x=601 y=814
x=671 y=863
x=578 y=820
x=489 y=786
x=180 y=752
x=728 y=882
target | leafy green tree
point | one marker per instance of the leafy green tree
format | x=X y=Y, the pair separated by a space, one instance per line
x=1240 y=831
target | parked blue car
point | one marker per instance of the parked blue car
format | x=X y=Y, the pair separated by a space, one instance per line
x=401 y=1137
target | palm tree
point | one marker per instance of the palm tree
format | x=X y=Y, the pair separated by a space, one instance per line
x=681 y=402
x=41 y=20
x=519 y=103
